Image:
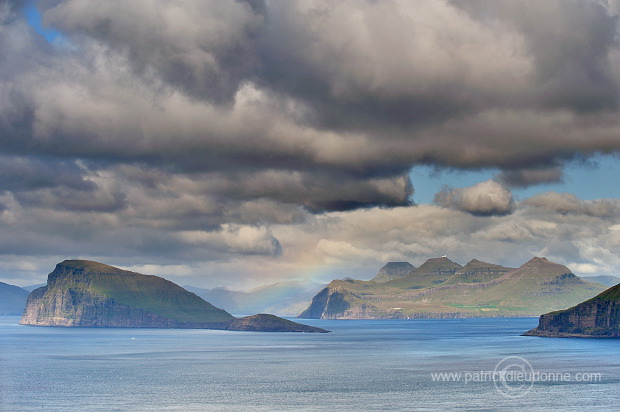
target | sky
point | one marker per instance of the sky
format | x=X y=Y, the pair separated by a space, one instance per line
x=241 y=143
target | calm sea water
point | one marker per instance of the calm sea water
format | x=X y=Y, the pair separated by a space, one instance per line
x=362 y=366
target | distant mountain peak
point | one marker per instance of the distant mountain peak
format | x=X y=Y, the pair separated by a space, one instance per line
x=537 y=260
x=544 y=263
x=394 y=265
x=476 y=271
x=438 y=264
x=431 y=273
x=393 y=270
x=443 y=258
x=475 y=263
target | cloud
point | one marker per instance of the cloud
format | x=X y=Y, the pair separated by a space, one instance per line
x=357 y=243
x=207 y=48
x=19 y=173
x=165 y=86
x=569 y=46
x=258 y=126
x=62 y=185
x=236 y=239
x=483 y=199
x=566 y=203
x=529 y=177
x=320 y=247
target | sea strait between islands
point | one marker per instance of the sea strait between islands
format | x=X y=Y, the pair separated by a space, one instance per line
x=82 y=293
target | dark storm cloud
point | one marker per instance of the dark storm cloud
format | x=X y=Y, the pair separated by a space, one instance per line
x=158 y=117
x=56 y=184
x=566 y=203
x=529 y=177
x=319 y=192
x=62 y=198
x=457 y=85
x=19 y=174
x=570 y=44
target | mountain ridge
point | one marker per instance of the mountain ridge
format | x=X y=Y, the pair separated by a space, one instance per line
x=534 y=288
x=608 y=281
x=281 y=298
x=12 y=299
x=430 y=273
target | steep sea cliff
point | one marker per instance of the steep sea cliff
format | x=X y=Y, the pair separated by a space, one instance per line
x=598 y=317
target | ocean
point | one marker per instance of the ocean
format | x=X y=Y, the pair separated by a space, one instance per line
x=363 y=365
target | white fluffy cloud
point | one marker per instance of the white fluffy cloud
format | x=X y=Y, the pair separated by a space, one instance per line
x=483 y=199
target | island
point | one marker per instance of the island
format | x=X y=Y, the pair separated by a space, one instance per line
x=83 y=293
x=441 y=288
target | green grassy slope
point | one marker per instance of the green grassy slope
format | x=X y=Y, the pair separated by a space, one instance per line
x=151 y=293
x=611 y=295
x=392 y=271
x=476 y=271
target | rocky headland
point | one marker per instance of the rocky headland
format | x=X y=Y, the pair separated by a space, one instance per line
x=598 y=317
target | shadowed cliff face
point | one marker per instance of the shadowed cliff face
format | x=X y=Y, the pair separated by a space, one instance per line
x=90 y=294
x=597 y=317
x=84 y=293
x=337 y=303
x=72 y=307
